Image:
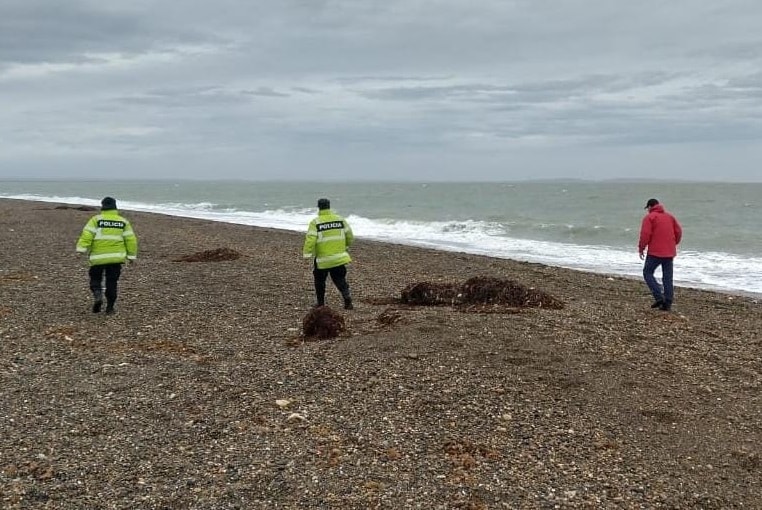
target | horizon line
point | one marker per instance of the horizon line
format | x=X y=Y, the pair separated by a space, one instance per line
x=623 y=180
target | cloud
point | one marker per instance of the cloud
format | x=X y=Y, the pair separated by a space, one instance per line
x=395 y=83
x=36 y=31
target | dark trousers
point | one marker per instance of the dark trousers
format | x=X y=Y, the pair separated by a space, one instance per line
x=112 y=272
x=666 y=277
x=339 y=278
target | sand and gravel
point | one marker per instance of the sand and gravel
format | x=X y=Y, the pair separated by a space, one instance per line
x=200 y=393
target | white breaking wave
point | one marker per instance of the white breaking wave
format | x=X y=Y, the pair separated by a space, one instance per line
x=712 y=270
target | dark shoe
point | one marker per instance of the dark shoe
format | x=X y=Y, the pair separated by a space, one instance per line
x=666 y=306
x=348 y=305
x=657 y=304
x=97 y=301
x=109 y=310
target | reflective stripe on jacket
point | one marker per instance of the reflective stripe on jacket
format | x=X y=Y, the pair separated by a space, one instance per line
x=660 y=232
x=108 y=239
x=328 y=237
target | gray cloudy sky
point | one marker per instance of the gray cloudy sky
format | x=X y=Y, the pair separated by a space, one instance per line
x=381 y=89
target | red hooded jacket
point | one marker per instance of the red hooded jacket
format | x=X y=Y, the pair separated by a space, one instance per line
x=660 y=232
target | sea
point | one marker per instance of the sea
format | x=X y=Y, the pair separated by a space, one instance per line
x=592 y=226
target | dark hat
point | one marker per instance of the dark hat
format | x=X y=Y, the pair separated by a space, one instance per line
x=324 y=203
x=108 y=203
x=651 y=202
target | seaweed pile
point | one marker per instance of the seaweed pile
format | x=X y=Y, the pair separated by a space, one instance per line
x=479 y=290
x=431 y=294
x=77 y=208
x=389 y=317
x=322 y=323
x=218 y=255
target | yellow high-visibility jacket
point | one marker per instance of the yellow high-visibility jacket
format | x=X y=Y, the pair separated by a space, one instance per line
x=328 y=237
x=108 y=239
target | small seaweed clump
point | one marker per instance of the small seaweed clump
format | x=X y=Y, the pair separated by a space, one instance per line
x=427 y=293
x=77 y=208
x=322 y=323
x=218 y=255
x=389 y=317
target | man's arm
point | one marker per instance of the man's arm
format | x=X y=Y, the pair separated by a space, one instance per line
x=349 y=237
x=130 y=242
x=645 y=235
x=678 y=231
x=310 y=241
x=85 y=241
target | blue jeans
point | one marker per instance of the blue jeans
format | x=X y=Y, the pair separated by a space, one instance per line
x=666 y=277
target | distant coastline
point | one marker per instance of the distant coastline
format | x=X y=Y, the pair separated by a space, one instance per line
x=549 y=180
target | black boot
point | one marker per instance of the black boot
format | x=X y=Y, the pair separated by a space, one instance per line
x=666 y=306
x=344 y=289
x=110 y=302
x=97 y=301
x=657 y=304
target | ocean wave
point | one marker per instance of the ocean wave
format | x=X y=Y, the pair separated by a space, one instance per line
x=713 y=270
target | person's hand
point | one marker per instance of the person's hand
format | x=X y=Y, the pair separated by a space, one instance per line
x=642 y=256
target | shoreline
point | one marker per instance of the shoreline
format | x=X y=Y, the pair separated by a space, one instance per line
x=200 y=393
x=678 y=283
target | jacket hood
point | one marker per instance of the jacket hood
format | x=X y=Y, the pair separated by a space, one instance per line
x=658 y=208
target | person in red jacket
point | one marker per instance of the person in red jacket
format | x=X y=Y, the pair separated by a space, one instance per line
x=660 y=232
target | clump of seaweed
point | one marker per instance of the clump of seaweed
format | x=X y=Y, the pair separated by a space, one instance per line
x=479 y=290
x=427 y=293
x=389 y=317
x=217 y=255
x=77 y=208
x=322 y=323
x=488 y=290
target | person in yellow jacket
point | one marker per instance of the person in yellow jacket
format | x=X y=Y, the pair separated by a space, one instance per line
x=328 y=237
x=109 y=241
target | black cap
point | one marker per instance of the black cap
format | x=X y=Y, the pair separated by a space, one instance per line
x=108 y=203
x=324 y=203
x=651 y=202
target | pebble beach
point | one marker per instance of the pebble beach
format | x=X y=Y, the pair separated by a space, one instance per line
x=201 y=392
